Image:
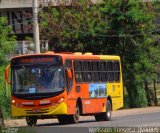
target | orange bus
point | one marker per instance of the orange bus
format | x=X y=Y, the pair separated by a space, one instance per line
x=65 y=86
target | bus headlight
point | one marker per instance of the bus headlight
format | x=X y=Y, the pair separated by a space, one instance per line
x=13 y=101
x=61 y=100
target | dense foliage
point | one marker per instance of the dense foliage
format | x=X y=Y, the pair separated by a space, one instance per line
x=73 y=28
x=119 y=27
x=7 y=40
x=130 y=23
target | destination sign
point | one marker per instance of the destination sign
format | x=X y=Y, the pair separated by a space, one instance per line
x=37 y=60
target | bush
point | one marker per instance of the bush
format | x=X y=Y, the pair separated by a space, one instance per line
x=7 y=41
x=4 y=94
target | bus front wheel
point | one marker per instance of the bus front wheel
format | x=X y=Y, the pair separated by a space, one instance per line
x=70 y=119
x=75 y=117
x=62 y=119
x=31 y=120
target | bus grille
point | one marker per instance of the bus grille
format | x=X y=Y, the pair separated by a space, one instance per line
x=37 y=111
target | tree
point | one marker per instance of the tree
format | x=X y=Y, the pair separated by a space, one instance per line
x=130 y=35
x=73 y=28
x=7 y=40
x=121 y=27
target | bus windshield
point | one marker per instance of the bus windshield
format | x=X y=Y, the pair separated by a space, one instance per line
x=30 y=80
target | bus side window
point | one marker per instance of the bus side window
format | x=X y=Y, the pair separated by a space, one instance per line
x=95 y=71
x=86 y=66
x=103 y=73
x=110 y=73
x=68 y=64
x=78 y=71
x=116 y=71
x=78 y=76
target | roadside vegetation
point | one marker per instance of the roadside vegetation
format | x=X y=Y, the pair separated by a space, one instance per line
x=119 y=27
x=7 y=41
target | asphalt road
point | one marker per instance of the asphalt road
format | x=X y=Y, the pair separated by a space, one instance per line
x=148 y=123
x=146 y=120
x=149 y=119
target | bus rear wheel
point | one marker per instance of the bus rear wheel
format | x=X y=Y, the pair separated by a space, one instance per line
x=31 y=121
x=98 y=117
x=106 y=116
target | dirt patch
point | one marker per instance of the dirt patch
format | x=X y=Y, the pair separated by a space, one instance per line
x=135 y=111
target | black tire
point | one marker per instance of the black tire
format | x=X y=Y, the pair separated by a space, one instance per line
x=107 y=115
x=98 y=117
x=70 y=119
x=75 y=117
x=31 y=121
x=62 y=119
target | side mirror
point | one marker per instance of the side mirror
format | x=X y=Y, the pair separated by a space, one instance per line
x=69 y=73
x=7 y=74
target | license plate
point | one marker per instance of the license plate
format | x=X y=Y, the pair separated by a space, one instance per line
x=37 y=110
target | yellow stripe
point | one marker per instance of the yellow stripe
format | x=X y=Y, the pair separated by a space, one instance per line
x=108 y=57
x=53 y=110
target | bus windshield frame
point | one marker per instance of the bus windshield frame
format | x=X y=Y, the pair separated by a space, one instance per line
x=36 y=80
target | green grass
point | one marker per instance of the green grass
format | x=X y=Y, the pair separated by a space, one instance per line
x=17 y=130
